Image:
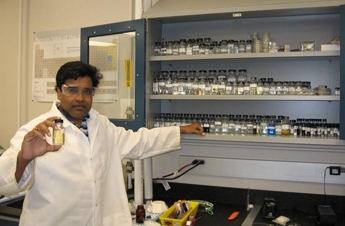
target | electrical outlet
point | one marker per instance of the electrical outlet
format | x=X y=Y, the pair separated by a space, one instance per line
x=335 y=170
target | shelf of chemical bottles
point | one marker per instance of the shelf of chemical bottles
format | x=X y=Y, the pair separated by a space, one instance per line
x=259 y=138
x=248 y=97
x=279 y=55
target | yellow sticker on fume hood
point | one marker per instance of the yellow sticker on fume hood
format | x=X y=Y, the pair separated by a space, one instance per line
x=129 y=72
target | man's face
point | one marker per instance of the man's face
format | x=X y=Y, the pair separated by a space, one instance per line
x=76 y=106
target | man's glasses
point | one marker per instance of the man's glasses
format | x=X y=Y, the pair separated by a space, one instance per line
x=76 y=90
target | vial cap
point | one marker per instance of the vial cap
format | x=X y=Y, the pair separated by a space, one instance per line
x=58 y=121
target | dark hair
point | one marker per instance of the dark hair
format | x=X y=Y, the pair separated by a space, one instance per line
x=75 y=70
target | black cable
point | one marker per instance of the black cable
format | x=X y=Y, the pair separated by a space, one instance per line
x=324 y=185
x=174 y=178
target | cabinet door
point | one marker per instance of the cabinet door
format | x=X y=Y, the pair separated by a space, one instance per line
x=118 y=50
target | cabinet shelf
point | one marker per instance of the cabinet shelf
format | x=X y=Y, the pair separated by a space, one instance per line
x=266 y=139
x=279 y=55
x=246 y=97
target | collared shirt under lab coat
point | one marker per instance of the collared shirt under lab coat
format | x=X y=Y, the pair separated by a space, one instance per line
x=81 y=184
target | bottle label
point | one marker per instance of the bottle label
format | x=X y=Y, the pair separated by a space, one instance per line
x=155 y=87
x=286 y=127
x=182 y=50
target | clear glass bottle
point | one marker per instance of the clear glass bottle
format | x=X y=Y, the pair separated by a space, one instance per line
x=238 y=125
x=286 y=126
x=202 y=49
x=230 y=46
x=212 y=123
x=189 y=83
x=246 y=88
x=189 y=47
x=285 y=87
x=234 y=88
x=201 y=85
x=195 y=86
x=292 y=88
x=217 y=48
x=243 y=126
x=156 y=122
x=207 y=42
x=212 y=74
x=232 y=76
x=222 y=86
x=264 y=125
x=231 y=124
x=249 y=126
x=228 y=88
x=266 y=89
x=260 y=88
x=157 y=49
x=196 y=46
x=164 y=48
x=208 y=86
x=242 y=75
x=168 y=85
x=249 y=44
x=222 y=74
x=175 y=48
x=182 y=84
x=279 y=88
x=59 y=134
x=182 y=47
x=155 y=89
x=272 y=88
x=253 y=86
x=225 y=124
x=215 y=87
x=279 y=127
x=242 y=46
x=240 y=88
x=236 y=47
x=161 y=82
x=169 y=48
x=298 y=88
x=223 y=47
x=174 y=85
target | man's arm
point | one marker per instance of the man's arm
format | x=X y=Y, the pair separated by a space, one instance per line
x=194 y=128
x=35 y=145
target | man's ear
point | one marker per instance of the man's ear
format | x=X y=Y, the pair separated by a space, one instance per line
x=59 y=93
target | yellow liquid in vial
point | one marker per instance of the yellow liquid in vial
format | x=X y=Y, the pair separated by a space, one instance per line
x=58 y=137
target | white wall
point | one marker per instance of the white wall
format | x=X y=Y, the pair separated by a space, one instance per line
x=9 y=60
x=16 y=105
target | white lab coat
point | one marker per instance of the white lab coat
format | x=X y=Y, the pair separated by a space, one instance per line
x=81 y=184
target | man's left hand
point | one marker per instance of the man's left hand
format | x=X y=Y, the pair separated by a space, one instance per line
x=194 y=128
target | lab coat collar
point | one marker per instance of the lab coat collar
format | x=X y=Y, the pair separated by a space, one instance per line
x=93 y=113
x=92 y=123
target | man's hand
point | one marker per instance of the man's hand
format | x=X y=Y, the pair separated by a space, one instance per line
x=194 y=128
x=35 y=145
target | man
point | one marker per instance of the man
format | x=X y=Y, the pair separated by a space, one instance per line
x=79 y=183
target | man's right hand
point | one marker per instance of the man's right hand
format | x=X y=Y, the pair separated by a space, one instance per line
x=35 y=145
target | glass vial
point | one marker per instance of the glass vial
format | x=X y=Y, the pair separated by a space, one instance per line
x=59 y=134
x=140 y=214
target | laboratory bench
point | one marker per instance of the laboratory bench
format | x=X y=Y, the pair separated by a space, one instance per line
x=300 y=208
